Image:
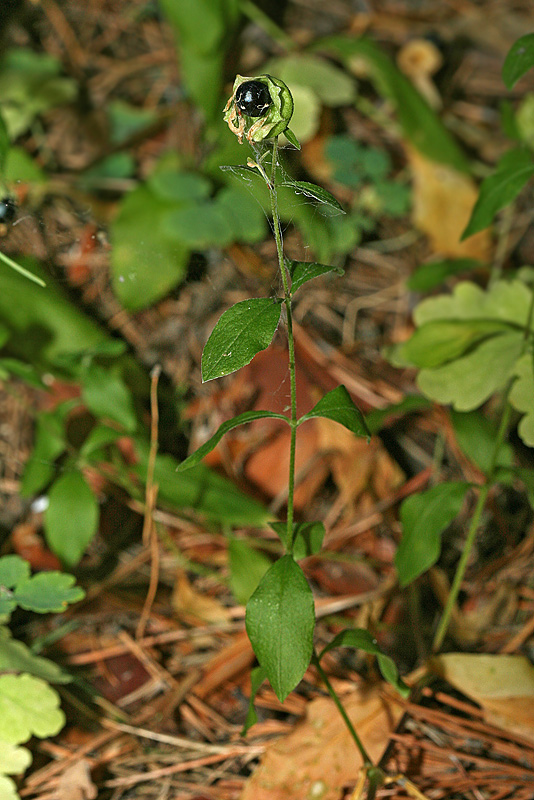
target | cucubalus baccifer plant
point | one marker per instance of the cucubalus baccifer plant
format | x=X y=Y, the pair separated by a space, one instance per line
x=280 y=616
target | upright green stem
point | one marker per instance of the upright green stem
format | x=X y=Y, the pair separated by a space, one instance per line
x=290 y=340
x=481 y=502
x=367 y=762
x=473 y=527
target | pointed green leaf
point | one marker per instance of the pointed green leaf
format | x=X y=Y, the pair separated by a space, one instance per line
x=50 y=443
x=519 y=60
x=106 y=395
x=201 y=489
x=476 y=435
x=247 y=567
x=16 y=657
x=380 y=417
x=420 y=124
x=303 y=271
x=314 y=192
x=433 y=273
x=100 y=436
x=13 y=569
x=71 y=519
x=241 y=332
x=307 y=537
x=291 y=138
x=48 y=592
x=424 y=517
x=362 y=639
x=500 y=189
x=213 y=441
x=339 y=406
x=280 y=621
x=257 y=677
x=28 y=707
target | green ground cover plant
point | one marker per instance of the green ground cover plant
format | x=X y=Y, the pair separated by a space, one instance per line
x=469 y=346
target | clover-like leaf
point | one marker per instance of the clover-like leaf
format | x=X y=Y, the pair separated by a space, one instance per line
x=241 y=419
x=12 y=570
x=470 y=380
x=241 y=332
x=28 y=707
x=476 y=334
x=521 y=396
x=508 y=301
x=519 y=60
x=338 y=406
x=435 y=343
x=48 y=592
x=424 y=517
x=362 y=639
x=13 y=760
x=8 y=790
x=280 y=621
x=303 y=271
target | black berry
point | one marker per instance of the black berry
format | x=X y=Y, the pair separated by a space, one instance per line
x=253 y=98
x=8 y=210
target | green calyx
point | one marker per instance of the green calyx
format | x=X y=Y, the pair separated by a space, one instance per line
x=272 y=123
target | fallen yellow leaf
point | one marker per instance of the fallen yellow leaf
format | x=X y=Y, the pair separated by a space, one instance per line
x=319 y=758
x=503 y=685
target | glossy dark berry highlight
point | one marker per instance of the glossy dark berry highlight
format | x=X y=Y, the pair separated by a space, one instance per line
x=253 y=99
x=8 y=210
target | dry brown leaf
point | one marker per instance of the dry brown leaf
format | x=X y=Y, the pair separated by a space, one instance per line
x=76 y=784
x=355 y=463
x=502 y=684
x=186 y=600
x=443 y=199
x=319 y=757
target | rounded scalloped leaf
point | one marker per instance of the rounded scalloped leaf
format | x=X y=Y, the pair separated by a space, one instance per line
x=8 y=790
x=469 y=381
x=521 y=397
x=507 y=301
x=13 y=760
x=28 y=707
x=12 y=570
x=48 y=592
